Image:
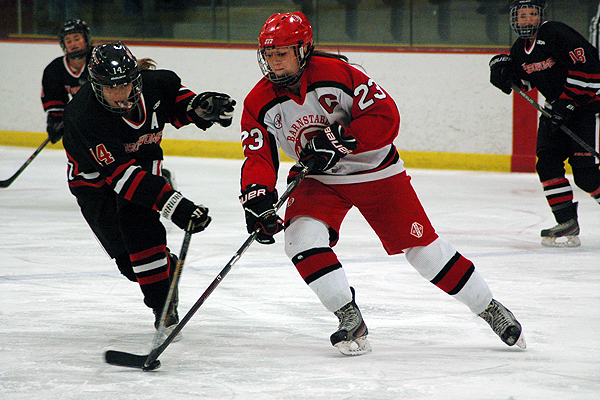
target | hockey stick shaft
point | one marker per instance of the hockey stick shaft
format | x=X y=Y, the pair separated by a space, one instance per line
x=157 y=351
x=6 y=183
x=566 y=130
x=176 y=274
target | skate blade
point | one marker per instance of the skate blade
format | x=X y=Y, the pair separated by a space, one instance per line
x=166 y=332
x=570 y=241
x=356 y=347
x=520 y=343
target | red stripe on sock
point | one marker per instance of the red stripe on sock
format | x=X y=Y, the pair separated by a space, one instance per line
x=153 y=278
x=316 y=262
x=148 y=253
x=454 y=275
x=553 y=182
x=563 y=199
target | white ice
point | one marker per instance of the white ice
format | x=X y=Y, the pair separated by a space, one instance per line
x=263 y=334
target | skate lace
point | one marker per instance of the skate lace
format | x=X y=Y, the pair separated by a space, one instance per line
x=497 y=318
x=349 y=317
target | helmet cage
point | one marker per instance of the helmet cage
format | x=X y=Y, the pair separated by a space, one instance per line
x=528 y=31
x=75 y=26
x=113 y=65
x=301 y=54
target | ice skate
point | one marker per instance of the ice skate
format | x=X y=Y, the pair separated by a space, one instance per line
x=504 y=323
x=351 y=336
x=171 y=319
x=566 y=233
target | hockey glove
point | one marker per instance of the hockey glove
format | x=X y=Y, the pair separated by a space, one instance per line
x=55 y=127
x=561 y=112
x=181 y=211
x=293 y=173
x=259 y=206
x=328 y=147
x=501 y=72
x=210 y=107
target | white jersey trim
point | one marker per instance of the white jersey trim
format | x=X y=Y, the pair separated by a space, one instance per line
x=392 y=170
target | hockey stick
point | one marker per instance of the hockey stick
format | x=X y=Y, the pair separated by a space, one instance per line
x=150 y=361
x=112 y=357
x=6 y=183
x=174 y=284
x=566 y=130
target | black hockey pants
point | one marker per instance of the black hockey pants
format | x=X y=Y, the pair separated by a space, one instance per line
x=124 y=229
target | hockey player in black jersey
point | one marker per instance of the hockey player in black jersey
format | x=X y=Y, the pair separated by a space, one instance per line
x=113 y=131
x=565 y=68
x=64 y=76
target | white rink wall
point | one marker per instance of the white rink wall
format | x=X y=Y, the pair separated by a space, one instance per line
x=445 y=99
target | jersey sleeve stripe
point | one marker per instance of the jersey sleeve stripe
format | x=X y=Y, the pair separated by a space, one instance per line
x=183 y=94
x=120 y=184
x=134 y=185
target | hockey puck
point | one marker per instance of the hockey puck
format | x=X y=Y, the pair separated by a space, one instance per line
x=154 y=365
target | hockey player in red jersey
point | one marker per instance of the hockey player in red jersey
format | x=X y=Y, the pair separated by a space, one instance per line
x=316 y=106
x=64 y=76
x=113 y=131
x=565 y=68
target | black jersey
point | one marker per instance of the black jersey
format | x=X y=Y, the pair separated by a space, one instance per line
x=59 y=84
x=560 y=63
x=106 y=149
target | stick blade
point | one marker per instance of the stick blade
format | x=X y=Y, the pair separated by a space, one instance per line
x=123 y=359
x=6 y=183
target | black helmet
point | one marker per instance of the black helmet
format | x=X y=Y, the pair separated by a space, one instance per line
x=75 y=26
x=528 y=31
x=113 y=65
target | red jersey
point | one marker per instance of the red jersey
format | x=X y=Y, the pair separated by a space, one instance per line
x=331 y=91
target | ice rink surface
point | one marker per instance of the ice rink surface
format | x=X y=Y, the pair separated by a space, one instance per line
x=263 y=334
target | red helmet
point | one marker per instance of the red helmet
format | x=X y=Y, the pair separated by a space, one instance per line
x=285 y=30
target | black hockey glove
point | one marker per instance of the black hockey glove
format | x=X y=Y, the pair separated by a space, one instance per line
x=55 y=127
x=561 y=112
x=259 y=206
x=293 y=173
x=328 y=147
x=210 y=107
x=501 y=74
x=181 y=211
